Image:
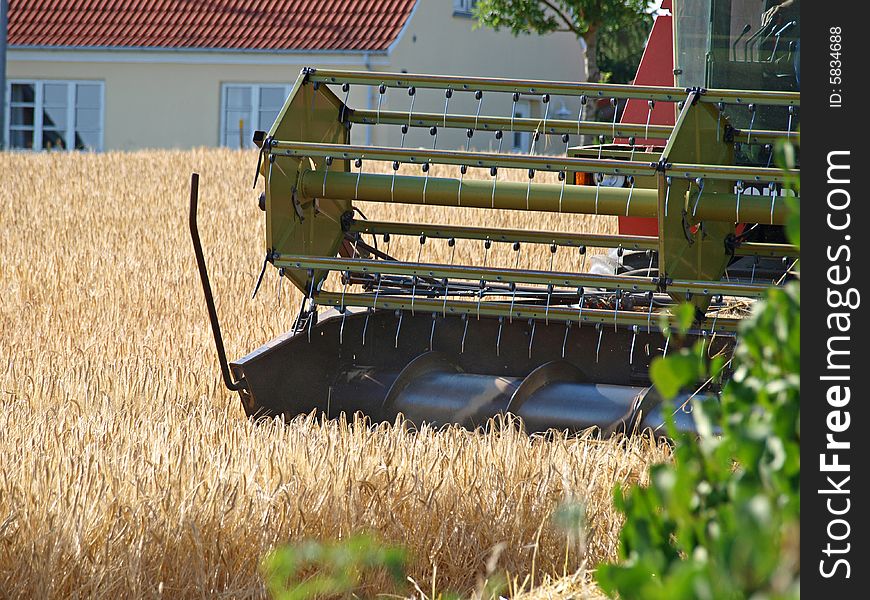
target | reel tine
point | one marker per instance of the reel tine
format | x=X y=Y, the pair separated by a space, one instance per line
x=464 y=333
x=498 y=339
x=531 y=336
x=600 y=330
x=633 y=338
x=400 y=314
x=565 y=339
x=432 y=332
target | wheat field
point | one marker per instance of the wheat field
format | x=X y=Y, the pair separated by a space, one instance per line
x=127 y=470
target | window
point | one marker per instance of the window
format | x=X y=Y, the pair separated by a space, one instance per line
x=522 y=139
x=54 y=115
x=463 y=8
x=247 y=107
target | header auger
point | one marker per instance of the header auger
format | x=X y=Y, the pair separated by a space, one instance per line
x=453 y=343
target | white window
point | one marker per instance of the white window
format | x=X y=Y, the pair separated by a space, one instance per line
x=54 y=115
x=247 y=107
x=463 y=8
x=522 y=139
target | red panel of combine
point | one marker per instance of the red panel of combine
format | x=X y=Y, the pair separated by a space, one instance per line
x=656 y=68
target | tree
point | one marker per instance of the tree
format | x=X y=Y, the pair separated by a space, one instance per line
x=591 y=20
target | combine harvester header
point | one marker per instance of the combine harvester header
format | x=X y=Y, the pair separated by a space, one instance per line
x=461 y=343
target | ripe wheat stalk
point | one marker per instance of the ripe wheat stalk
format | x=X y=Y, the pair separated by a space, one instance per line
x=127 y=470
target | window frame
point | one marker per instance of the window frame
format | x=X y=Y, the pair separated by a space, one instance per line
x=254 y=114
x=39 y=106
x=463 y=8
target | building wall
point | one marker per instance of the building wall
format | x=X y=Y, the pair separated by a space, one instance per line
x=169 y=99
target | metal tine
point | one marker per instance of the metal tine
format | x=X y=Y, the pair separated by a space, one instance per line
x=616 y=308
x=536 y=135
x=582 y=293
x=566 y=139
x=328 y=162
x=513 y=287
x=751 y=122
x=553 y=248
x=529 y=186
x=565 y=339
x=601 y=139
x=425 y=168
x=462 y=171
x=447 y=94
x=382 y=89
x=547 y=310
x=499 y=135
x=393 y=181
x=464 y=333
x=613 y=103
x=432 y=332
x=598 y=178
x=531 y=336
x=358 y=164
x=651 y=258
x=493 y=171
x=517 y=250
x=600 y=330
x=583 y=101
x=469 y=133
x=790 y=117
x=754 y=264
x=562 y=178
x=633 y=338
x=650 y=296
x=480 y=297
x=667 y=192
x=774 y=192
x=667 y=342
x=703 y=344
x=479 y=97
x=583 y=263
x=345 y=87
x=721 y=107
x=631 y=143
x=366 y=325
x=433 y=131
x=769 y=149
x=343 y=308
x=387 y=241
x=516 y=98
x=377 y=291
x=412 y=92
x=280 y=281
x=260 y=277
x=404 y=133
x=651 y=104
x=739 y=193
x=452 y=244
x=487 y=244
x=498 y=338
x=630 y=191
x=312 y=310
x=400 y=315
x=700 y=183
x=546 y=100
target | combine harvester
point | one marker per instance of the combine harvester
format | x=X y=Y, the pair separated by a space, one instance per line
x=461 y=343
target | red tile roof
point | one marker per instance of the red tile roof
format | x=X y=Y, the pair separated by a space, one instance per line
x=361 y=25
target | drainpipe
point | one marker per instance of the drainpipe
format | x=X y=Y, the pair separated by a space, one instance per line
x=370 y=103
x=4 y=9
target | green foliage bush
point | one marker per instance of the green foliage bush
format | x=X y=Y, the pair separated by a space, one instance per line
x=723 y=521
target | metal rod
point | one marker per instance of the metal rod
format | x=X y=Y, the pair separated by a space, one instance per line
x=233 y=386
x=511 y=195
x=626 y=318
x=516 y=161
x=564 y=88
x=505 y=275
